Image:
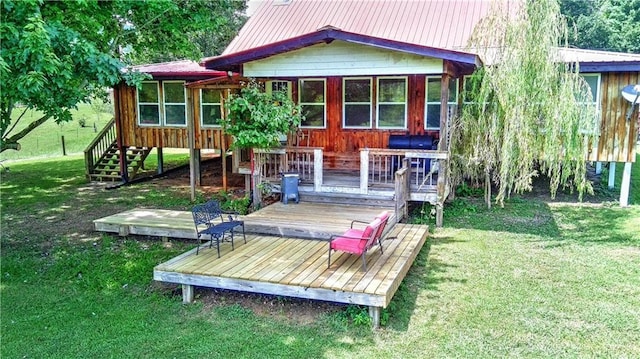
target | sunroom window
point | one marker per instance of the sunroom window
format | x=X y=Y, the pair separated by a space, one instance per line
x=312 y=101
x=210 y=107
x=356 y=108
x=273 y=86
x=392 y=103
x=433 y=103
x=175 y=106
x=149 y=104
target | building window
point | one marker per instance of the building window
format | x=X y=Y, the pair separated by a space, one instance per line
x=356 y=104
x=210 y=107
x=274 y=86
x=149 y=104
x=312 y=101
x=593 y=80
x=175 y=105
x=432 y=101
x=392 y=103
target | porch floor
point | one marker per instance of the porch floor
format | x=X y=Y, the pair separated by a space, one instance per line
x=298 y=268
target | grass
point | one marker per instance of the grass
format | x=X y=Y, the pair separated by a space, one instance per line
x=537 y=278
x=46 y=140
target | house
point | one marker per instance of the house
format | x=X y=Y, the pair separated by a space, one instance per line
x=378 y=82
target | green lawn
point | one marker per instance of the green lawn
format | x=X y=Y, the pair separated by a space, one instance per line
x=534 y=279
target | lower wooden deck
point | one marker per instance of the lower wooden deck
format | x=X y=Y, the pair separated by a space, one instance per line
x=298 y=268
x=306 y=220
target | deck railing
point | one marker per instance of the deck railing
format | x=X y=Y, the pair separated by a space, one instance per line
x=306 y=161
x=377 y=167
x=99 y=146
x=402 y=190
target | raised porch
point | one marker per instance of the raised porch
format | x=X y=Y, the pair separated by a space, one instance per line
x=394 y=175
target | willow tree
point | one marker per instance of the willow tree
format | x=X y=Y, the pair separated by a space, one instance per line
x=524 y=112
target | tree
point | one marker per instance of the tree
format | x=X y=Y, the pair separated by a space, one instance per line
x=55 y=55
x=611 y=25
x=525 y=114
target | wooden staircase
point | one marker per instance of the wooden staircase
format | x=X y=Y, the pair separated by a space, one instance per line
x=102 y=157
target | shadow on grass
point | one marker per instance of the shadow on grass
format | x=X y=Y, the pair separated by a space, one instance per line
x=426 y=273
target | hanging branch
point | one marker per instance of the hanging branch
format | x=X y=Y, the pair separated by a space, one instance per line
x=524 y=112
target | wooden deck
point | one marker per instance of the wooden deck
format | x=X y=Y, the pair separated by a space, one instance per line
x=298 y=268
x=305 y=220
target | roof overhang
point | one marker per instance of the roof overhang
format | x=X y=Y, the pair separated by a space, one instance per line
x=611 y=66
x=233 y=62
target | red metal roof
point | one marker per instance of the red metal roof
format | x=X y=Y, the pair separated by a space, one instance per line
x=183 y=70
x=433 y=23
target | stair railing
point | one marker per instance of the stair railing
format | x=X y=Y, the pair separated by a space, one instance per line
x=100 y=144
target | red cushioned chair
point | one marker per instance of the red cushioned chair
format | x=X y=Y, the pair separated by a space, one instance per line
x=359 y=241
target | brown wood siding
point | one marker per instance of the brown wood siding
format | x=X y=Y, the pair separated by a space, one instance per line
x=342 y=146
x=617 y=135
x=156 y=136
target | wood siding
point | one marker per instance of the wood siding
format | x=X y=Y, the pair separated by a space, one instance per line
x=340 y=58
x=617 y=135
x=159 y=136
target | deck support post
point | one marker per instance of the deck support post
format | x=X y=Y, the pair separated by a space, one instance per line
x=317 y=170
x=626 y=183
x=160 y=160
x=187 y=293
x=192 y=145
x=612 y=175
x=364 y=171
x=598 y=167
x=374 y=314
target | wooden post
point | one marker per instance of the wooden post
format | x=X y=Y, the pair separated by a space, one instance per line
x=598 y=167
x=187 y=293
x=624 y=186
x=198 y=169
x=443 y=145
x=192 y=144
x=64 y=149
x=374 y=314
x=364 y=171
x=160 y=160
x=317 y=169
x=223 y=156
x=612 y=175
x=119 y=140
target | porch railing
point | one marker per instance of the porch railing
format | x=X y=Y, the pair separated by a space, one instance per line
x=402 y=190
x=306 y=161
x=377 y=167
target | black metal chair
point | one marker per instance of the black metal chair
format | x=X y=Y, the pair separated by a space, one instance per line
x=209 y=221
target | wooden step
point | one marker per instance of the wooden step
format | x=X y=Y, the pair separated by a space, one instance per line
x=348 y=198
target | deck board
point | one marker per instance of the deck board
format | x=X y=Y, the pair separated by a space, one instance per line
x=298 y=267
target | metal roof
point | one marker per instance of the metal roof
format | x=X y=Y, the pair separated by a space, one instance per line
x=444 y=24
x=183 y=70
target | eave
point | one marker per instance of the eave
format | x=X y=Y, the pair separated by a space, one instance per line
x=233 y=62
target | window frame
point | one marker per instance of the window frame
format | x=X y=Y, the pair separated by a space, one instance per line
x=202 y=104
x=597 y=101
x=345 y=103
x=268 y=87
x=165 y=104
x=439 y=102
x=324 y=103
x=378 y=102
x=158 y=105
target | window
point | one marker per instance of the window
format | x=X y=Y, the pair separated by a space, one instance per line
x=356 y=105
x=210 y=107
x=278 y=86
x=593 y=80
x=175 y=106
x=312 y=101
x=392 y=102
x=433 y=105
x=149 y=104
